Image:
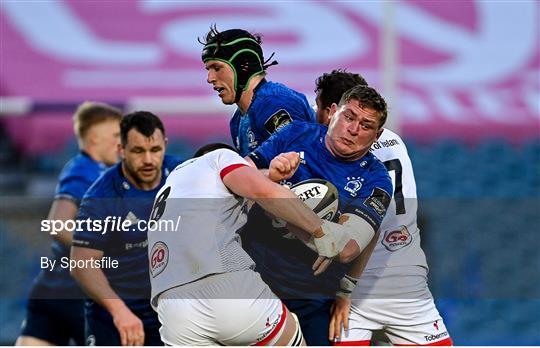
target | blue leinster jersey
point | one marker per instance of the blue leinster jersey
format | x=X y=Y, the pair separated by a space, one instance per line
x=76 y=177
x=273 y=106
x=364 y=188
x=113 y=198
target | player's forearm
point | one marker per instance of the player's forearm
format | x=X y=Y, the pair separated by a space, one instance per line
x=92 y=280
x=359 y=264
x=97 y=287
x=64 y=237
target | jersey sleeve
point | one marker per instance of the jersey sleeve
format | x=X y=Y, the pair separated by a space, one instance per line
x=72 y=187
x=279 y=112
x=171 y=162
x=275 y=145
x=225 y=161
x=373 y=199
x=93 y=229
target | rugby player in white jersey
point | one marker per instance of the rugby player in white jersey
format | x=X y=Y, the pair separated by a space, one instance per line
x=392 y=293
x=203 y=284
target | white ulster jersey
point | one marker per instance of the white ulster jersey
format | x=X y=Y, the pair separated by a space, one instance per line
x=399 y=241
x=205 y=241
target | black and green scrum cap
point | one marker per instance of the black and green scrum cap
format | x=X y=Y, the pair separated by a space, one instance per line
x=241 y=51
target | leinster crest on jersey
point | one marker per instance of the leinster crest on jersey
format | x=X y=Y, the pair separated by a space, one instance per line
x=353 y=185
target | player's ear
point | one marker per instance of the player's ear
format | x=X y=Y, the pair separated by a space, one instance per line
x=92 y=137
x=166 y=141
x=333 y=109
x=121 y=150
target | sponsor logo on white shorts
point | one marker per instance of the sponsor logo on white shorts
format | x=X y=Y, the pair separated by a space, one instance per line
x=159 y=257
x=269 y=327
x=437 y=337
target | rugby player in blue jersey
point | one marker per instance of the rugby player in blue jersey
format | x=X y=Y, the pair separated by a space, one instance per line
x=119 y=310
x=340 y=154
x=236 y=70
x=55 y=310
x=405 y=314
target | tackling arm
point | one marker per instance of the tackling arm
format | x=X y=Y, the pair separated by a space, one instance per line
x=282 y=167
x=277 y=200
x=283 y=203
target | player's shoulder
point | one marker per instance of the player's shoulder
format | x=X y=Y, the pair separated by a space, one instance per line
x=302 y=126
x=224 y=157
x=389 y=145
x=373 y=165
x=217 y=155
x=223 y=152
x=171 y=162
x=273 y=88
x=302 y=129
x=276 y=92
x=83 y=166
x=390 y=138
x=105 y=185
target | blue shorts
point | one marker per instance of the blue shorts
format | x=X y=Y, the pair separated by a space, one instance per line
x=314 y=317
x=55 y=321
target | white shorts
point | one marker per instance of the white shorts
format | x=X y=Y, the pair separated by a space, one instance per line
x=407 y=316
x=235 y=308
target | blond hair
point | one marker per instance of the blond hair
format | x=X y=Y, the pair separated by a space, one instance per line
x=89 y=114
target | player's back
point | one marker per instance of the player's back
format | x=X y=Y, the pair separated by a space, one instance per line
x=207 y=216
x=399 y=241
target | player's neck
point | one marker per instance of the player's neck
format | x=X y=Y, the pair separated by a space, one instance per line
x=92 y=152
x=247 y=96
x=332 y=150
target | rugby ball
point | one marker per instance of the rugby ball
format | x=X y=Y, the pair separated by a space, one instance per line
x=319 y=195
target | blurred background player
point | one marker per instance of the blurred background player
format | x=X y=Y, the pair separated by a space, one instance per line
x=55 y=309
x=203 y=283
x=339 y=154
x=119 y=311
x=236 y=70
x=392 y=293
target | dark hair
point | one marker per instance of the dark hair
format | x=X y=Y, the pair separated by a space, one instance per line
x=212 y=147
x=368 y=98
x=332 y=85
x=144 y=122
